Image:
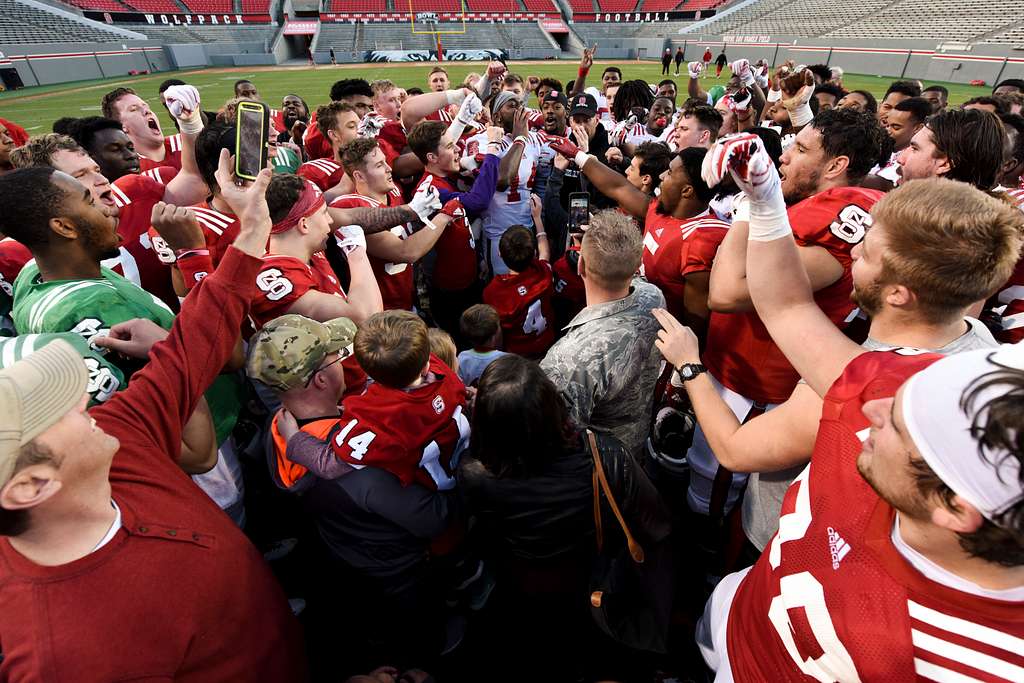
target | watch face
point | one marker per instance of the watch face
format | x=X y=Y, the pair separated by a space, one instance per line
x=688 y=372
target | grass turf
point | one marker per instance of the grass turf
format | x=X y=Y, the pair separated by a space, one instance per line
x=37 y=108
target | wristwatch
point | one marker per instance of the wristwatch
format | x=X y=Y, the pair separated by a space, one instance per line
x=688 y=371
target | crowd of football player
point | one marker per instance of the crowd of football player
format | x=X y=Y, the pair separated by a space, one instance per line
x=402 y=426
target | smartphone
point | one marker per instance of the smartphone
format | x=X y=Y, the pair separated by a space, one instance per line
x=252 y=123
x=579 y=211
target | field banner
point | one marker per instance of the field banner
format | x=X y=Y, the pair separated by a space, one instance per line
x=431 y=55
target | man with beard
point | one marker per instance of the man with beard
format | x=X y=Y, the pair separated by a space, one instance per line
x=830 y=216
x=291 y=119
x=625 y=140
x=897 y=284
x=98 y=147
x=681 y=235
x=554 y=107
x=519 y=151
x=914 y=487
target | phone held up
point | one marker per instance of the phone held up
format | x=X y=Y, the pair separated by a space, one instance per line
x=252 y=125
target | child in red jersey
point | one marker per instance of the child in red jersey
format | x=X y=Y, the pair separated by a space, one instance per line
x=410 y=421
x=522 y=297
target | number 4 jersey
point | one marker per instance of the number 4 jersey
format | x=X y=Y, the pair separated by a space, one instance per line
x=833 y=599
x=523 y=302
x=417 y=434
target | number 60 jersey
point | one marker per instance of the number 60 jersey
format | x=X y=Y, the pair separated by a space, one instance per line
x=833 y=599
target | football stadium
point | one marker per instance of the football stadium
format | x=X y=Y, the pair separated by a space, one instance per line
x=512 y=341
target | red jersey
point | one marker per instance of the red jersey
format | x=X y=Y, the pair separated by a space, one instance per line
x=570 y=296
x=831 y=598
x=277 y=120
x=417 y=434
x=219 y=229
x=317 y=146
x=523 y=302
x=739 y=352
x=172 y=155
x=135 y=195
x=395 y=280
x=324 y=173
x=282 y=281
x=674 y=248
x=393 y=133
x=456 y=265
x=162 y=174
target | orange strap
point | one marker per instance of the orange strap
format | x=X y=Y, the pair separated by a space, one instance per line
x=635 y=551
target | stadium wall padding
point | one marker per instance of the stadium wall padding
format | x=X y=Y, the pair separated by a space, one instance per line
x=48 y=63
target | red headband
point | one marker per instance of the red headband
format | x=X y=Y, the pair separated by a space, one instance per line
x=308 y=203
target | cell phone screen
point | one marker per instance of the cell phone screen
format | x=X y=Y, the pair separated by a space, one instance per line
x=579 y=212
x=249 y=154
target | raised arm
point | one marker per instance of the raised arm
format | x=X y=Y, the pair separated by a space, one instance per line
x=163 y=395
x=509 y=166
x=693 y=88
x=364 y=298
x=419 y=107
x=389 y=247
x=730 y=291
x=778 y=282
x=187 y=187
x=609 y=182
x=781 y=438
x=586 y=62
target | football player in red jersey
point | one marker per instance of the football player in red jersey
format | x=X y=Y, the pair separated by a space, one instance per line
x=681 y=235
x=143 y=127
x=339 y=125
x=968 y=145
x=522 y=297
x=353 y=91
x=392 y=253
x=296 y=277
x=904 y=535
x=911 y=304
x=829 y=217
x=455 y=284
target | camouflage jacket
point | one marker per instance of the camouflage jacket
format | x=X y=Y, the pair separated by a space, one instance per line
x=606 y=365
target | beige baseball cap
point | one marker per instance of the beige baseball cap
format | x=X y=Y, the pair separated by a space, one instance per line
x=286 y=352
x=35 y=393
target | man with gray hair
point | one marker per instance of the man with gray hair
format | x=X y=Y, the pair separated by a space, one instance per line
x=606 y=365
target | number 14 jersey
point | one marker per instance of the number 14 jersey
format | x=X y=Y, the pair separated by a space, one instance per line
x=832 y=599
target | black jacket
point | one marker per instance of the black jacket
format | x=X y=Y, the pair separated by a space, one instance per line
x=549 y=516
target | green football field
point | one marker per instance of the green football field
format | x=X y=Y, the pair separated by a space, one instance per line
x=37 y=108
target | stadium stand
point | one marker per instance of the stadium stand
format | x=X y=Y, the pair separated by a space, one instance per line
x=23 y=24
x=1014 y=36
x=515 y=36
x=540 y=6
x=255 y=6
x=618 y=5
x=658 y=5
x=165 y=6
x=583 y=6
x=591 y=33
x=101 y=5
x=493 y=5
x=234 y=34
x=211 y=6
x=356 y=5
x=963 y=20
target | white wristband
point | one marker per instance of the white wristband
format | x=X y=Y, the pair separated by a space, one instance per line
x=582 y=158
x=774 y=95
x=192 y=125
x=801 y=116
x=769 y=220
x=455 y=96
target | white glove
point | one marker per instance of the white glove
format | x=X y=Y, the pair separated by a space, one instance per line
x=741 y=68
x=743 y=156
x=426 y=202
x=740 y=100
x=621 y=130
x=471 y=106
x=761 y=77
x=371 y=125
x=694 y=68
x=350 y=238
x=456 y=96
x=183 y=104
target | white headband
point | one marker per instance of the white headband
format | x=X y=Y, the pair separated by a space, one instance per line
x=941 y=430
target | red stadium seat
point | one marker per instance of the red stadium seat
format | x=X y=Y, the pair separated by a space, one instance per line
x=582 y=6
x=166 y=6
x=659 y=5
x=540 y=6
x=428 y=5
x=211 y=6
x=693 y=5
x=255 y=6
x=617 y=5
x=493 y=6
x=358 y=5
x=101 y=5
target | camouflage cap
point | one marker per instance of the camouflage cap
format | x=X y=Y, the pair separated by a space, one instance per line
x=286 y=352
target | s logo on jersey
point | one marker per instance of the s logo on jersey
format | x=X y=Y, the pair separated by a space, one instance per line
x=438 y=404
